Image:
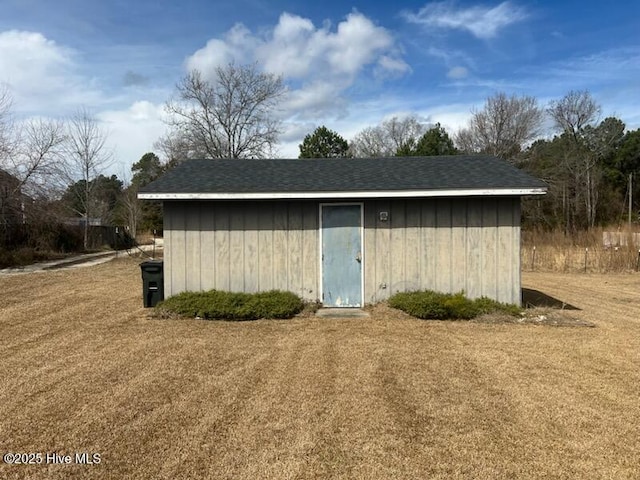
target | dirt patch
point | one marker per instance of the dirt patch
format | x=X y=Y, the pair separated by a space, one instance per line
x=556 y=317
x=537 y=316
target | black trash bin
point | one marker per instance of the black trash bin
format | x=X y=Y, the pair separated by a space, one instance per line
x=152 y=282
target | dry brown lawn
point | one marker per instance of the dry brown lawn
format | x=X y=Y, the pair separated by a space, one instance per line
x=86 y=369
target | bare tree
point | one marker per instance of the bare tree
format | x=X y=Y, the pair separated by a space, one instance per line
x=370 y=142
x=386 y=139
x=581 y=171
x=230 y=116
x=131 y=209
x=87 y=157
x=574 y=111
x=6 y=102
x=466 y=141
x=37 y=157
x=175 y=147
x=30 y=153
x=503 y=127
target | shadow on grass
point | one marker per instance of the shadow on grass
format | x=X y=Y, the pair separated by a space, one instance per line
x=535 y=298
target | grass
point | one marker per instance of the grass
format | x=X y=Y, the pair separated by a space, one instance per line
x=85 y=368
x=583 y=252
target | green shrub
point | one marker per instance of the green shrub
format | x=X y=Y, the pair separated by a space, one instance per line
x=439 y=306
x=427 y=304
x=459 y=306
x=220 y=305
x=489 y=305
x=274 y=304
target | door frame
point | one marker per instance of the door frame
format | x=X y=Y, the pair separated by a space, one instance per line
x=321 y=205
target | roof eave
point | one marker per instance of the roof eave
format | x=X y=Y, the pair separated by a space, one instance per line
x=480 y=192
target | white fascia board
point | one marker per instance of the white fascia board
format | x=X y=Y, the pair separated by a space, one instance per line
x=352 y=195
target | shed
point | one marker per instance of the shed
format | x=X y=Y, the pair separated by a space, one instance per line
x=345 y=232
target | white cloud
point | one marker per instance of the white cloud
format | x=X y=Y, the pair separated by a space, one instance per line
x=357 y=43
x=393 y=65
x=293 y=48
x=236 y=44
x=605 y=66
x=318 y=63
x=314 y=100
x=38 y=72
x=481 y=21
x=452 y=117
x=45 y=80
x=457 y=73
x=131 y=133
x=24 y=56
x=295 y=131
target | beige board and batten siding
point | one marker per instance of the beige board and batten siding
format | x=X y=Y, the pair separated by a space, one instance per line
x=241 y=246
x=443 y=244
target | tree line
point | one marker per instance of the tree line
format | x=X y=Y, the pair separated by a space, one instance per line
x=588 y=162
x=53 y=186
x=55 y=169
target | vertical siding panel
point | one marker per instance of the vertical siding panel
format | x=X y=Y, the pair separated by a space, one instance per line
x=396 y=249
x=507 y=265
x=236 y=247
x=383 y=239
x=412 y=256
x=489 y=250
x=458 y=244
x=280 y=247
x=207 y=246
x=474 y=249
x=516 y=257
x=428 y=241
x=193 y=258
x=251 y=247
x=179 y=244
x=443 y=245
x=369 y=265
x=310 y=255
x=265 y=246
x=168 y=232
x=221 y=239
x=295 y=247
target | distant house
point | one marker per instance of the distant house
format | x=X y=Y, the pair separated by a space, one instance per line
x=344 y=231
x=80 y=221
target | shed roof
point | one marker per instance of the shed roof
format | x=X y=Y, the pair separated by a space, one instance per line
x=457 y=175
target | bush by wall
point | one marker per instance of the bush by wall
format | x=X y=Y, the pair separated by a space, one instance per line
x=439 y=306
x=220 y=305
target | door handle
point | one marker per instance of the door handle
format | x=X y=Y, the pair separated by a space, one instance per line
x=359 y=257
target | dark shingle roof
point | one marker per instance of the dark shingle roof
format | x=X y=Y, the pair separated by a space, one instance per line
x=287 y=176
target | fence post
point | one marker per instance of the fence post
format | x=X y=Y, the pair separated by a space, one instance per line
x=638 y=261
x=533 y=259
x=586 y=258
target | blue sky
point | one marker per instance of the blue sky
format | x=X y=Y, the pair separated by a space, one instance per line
x=347 y=65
